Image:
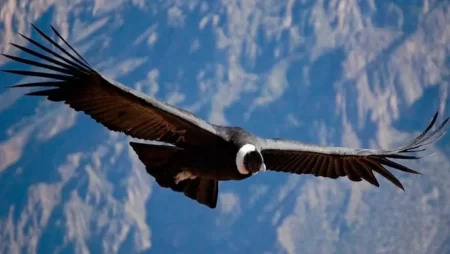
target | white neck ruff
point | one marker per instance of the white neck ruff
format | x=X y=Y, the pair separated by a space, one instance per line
x=240 y=157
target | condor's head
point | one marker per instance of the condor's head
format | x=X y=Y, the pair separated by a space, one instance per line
x=249 y=160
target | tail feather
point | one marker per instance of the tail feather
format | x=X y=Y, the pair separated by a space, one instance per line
x=161 y=162
x=204 y=190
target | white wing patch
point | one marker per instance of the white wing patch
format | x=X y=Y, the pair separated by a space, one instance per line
x=184 y=175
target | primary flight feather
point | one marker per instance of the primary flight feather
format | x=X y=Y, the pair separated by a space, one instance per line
x=198 y=154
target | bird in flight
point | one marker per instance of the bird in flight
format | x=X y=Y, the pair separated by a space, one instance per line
x=193 y=156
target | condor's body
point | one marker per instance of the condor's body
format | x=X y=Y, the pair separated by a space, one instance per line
x=215 y=160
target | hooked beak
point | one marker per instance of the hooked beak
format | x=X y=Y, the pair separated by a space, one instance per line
x=262 y=168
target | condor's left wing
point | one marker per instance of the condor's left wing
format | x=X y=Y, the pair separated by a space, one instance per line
x=333 y=162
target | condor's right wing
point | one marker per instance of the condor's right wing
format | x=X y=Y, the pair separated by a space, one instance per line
x=74 y=82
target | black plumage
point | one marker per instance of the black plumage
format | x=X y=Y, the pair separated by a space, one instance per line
x=197 y=155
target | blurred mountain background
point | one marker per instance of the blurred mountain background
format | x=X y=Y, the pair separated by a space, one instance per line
x=338 y=72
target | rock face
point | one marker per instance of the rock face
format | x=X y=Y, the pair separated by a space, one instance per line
x=353 y=73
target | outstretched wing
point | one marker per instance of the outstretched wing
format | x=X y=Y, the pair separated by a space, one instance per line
x=119 y=108
x=333 y=162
